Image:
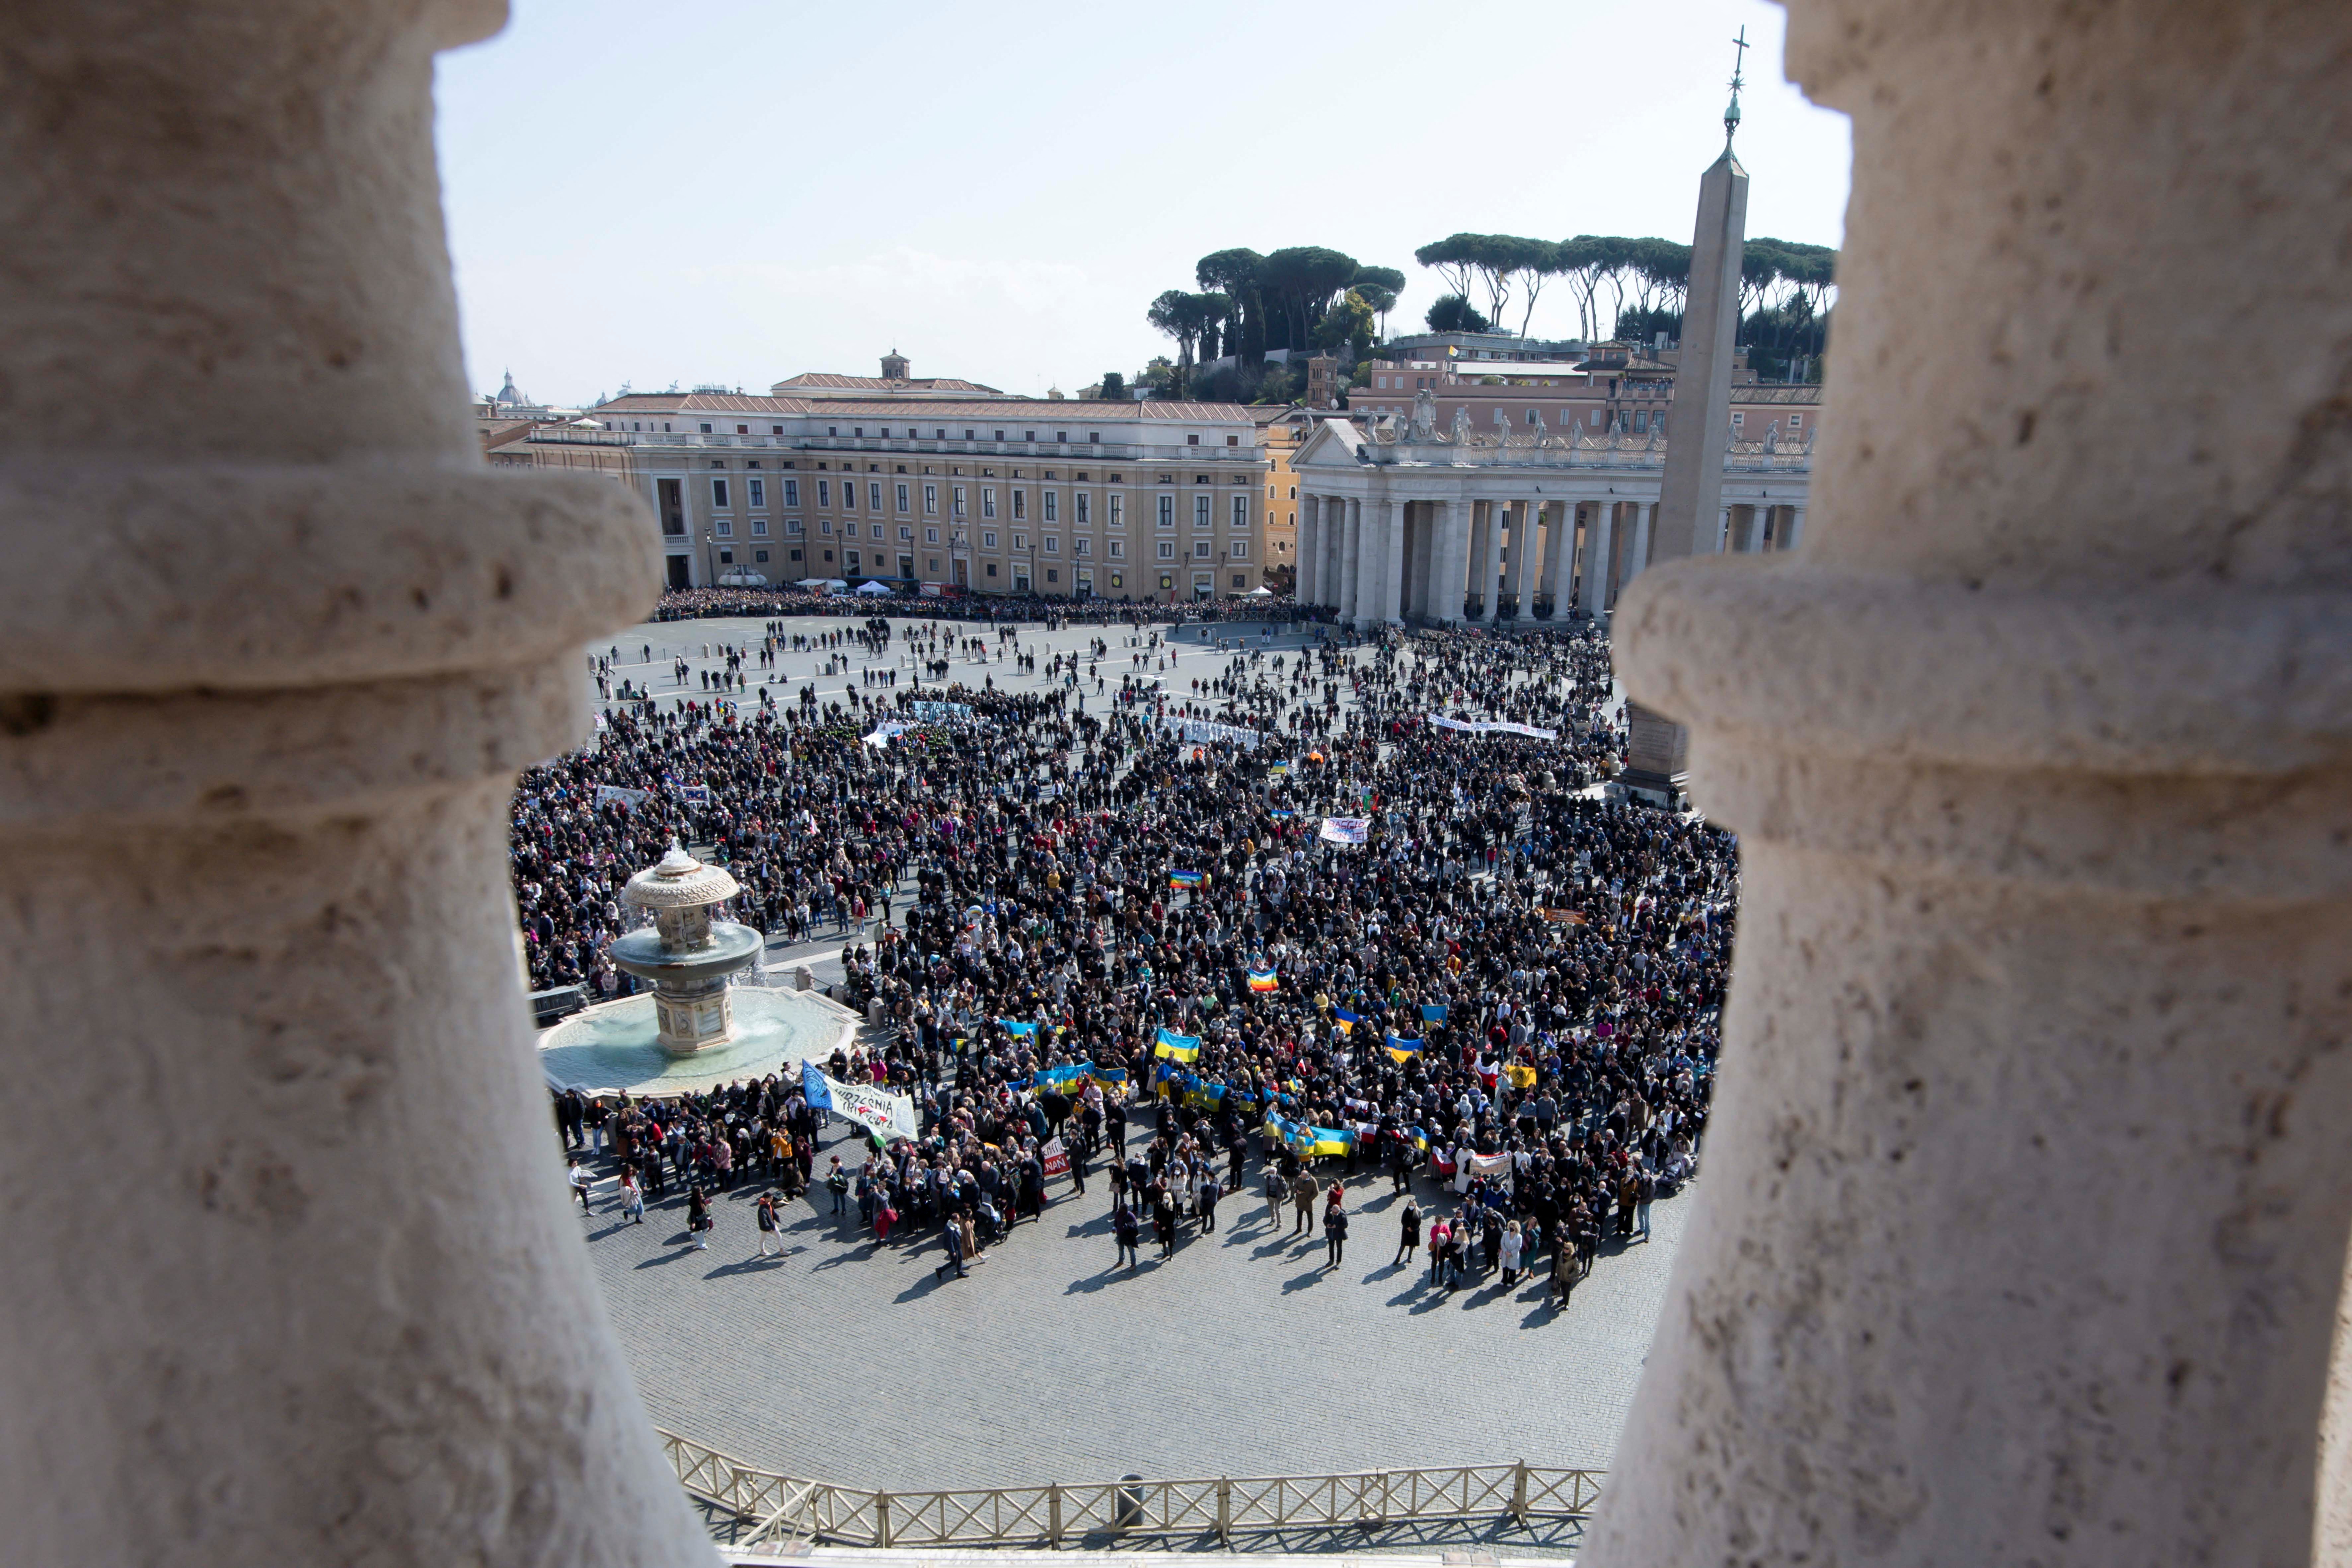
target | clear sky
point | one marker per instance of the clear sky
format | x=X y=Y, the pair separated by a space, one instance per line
x=733 y=191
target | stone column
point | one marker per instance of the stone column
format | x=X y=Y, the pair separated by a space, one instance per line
x=1310 y=527
x=292 y=1280
x=1525 y=544
x=1450 y=561
x=1349 y=530
x=1593 y=594
x=1392 y=547
x=1419 y=598
x=2023 y=1230
x=1334 y=546
x=1559 y=565
x=1490 y=564
x=1637 y=554
x=1796 y=526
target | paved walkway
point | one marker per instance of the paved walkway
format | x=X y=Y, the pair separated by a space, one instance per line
x=851 y=1361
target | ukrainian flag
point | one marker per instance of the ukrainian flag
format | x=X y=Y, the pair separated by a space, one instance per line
x=1184 y=880
x=1015 y=1026
x=1204 y=1096
x=1419 y=1139
x=1064 y=1081
x=1108 y=1075
x=1433 y=1012
x=1403 y=1051
x=1263 y=980
x=1177 y=1047
x=1346 y=1021
x=1312 y=1143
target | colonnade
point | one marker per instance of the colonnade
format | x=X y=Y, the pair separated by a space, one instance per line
x=1479 y=560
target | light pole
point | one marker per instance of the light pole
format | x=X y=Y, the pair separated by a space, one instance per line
x=710 y=556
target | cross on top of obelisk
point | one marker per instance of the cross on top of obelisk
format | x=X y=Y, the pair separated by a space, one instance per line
x=1731 y=114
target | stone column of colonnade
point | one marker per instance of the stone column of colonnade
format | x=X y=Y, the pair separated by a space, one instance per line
x=1637 y=548
x=2024 y=1236
x=1334 y=545
x=1350 y=538
x=1392 y=557
x=1526 y=545
x=1421 y=564
x=293 y=1281
x=1559 y=561
x=1309 y=542
x=1592 y=594
x=1449 y=559
x=1490 y=562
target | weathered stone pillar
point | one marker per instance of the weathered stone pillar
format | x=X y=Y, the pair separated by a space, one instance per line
x=292 y=1280
x=1796 y=528
x=1310 y=530
x=2028 y=1193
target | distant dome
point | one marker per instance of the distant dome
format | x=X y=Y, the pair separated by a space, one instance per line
x=1053 y=393
x=508 y=394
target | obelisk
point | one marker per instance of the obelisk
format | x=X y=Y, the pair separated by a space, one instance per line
x=1690 y=499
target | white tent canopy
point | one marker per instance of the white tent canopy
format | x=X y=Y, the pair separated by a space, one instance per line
x=873 y=588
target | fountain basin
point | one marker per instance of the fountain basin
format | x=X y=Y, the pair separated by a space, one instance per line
x=616 y=1045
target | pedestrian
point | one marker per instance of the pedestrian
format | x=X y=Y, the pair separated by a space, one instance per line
x=953 y=1236
x=1210 y=1193
x=633 y=1195
x=836 y=1182
x=1645 y=1191
x=697 y=1218
x=579 y=1179
x=1335 y=1236
x=1409 y=1238
x=764 y=1215
x=1124 y=1227
x=1511 y=1242
x=1303 y=1194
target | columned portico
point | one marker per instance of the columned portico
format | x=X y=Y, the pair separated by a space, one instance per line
x=1416 y=531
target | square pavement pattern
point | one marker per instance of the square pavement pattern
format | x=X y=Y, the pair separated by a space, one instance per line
x=850 y=1362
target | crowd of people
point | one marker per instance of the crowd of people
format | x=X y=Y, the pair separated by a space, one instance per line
x=703 y=604
x=1367 y=944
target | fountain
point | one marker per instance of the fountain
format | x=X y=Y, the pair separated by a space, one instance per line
x=699 y=1027
x=688 y=955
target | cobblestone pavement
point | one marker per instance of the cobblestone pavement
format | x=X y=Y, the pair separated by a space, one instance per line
x=852 y=1362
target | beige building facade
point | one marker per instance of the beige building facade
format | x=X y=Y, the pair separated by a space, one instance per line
x=1155 y=501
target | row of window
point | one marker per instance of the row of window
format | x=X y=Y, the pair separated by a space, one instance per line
x=858 y=432
x=1082 y=509
x=853 y=563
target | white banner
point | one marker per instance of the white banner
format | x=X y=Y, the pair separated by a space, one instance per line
x=1488 y=1165
x=1492 y=727
x=610 y=795
x=1203 y=729
x=885 y=1115
x=886 y=731
x=1344 y=830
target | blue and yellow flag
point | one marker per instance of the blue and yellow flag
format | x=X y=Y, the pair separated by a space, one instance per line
x=1402 y=1051
x=1183 y=879
x=1108 y=1076
x=1177 y=1047
x=1345 y=1021
x=1063 y=1079
x=1015 y=1026
x=1311 y=1143
x=1419 y=1138
x=1263 y=980
x=1433 y=1012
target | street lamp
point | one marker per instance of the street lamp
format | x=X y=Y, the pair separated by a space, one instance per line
x=710 y=555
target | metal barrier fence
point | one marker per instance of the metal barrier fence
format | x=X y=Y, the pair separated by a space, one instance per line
x=774 y=1507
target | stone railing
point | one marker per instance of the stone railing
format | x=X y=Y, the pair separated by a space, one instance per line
x=774 y=1507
